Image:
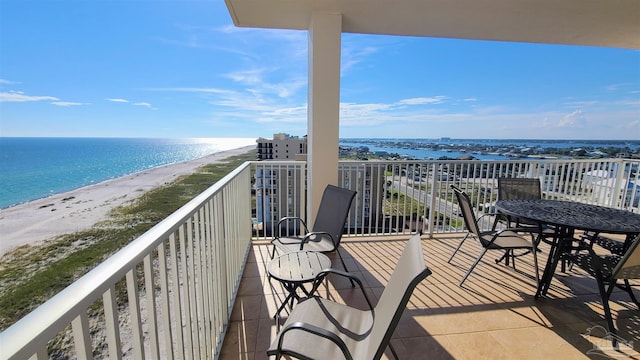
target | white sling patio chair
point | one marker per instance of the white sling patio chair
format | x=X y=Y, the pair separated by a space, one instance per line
x=322 y=329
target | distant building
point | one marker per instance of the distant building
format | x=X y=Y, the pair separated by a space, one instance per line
x=278 y=186
x=606 y=189
x=281 y=147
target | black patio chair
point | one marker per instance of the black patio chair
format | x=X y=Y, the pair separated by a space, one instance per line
x=518 y=189
x=612 y=245
x=608 y=270
x=527 y=189
x=327 y=229
x=506 y=240
x=510 y=188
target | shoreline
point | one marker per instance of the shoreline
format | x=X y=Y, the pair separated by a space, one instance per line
x=39 y=220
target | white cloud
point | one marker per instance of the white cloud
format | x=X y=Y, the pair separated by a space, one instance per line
x=15 y=96
x=249 y=77
x=353 y=55
x=581 y=104
x=8 y=82
x=423 y=100
x=67 y=103
x=145 y=104
x=118 y=100
x=574 y=119
x=232 y=29
x=629 y=102
x=296 y=114
x=634 y=125
x=259 y=87
x=617 y=87
x=192 y=89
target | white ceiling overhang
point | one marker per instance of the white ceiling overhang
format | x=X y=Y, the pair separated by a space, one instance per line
x=608 y=23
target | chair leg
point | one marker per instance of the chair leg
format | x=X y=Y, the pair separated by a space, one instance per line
x=484 y=251
x=458 y=248
x=504 y=257
x=629 y=289
x=393 y=351
x=345 y=267
x=513 y=259
x=604 y=294
x=535 y=263
x=273 y=251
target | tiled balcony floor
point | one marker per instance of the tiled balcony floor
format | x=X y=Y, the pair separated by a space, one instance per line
x=494 y=316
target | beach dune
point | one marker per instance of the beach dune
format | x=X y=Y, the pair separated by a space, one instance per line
x=39 y=220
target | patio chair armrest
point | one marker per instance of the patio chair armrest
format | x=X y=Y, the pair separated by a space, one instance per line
x=291 y=218
x=298 y=325
x=322 y=274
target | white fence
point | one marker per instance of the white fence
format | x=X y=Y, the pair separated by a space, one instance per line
x=170 y=292
x=166 y=295
x=398 y=197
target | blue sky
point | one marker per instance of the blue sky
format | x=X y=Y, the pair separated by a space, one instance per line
x=181 y=69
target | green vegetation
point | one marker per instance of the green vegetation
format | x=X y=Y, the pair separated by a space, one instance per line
x=31 y=275
x=398 y=203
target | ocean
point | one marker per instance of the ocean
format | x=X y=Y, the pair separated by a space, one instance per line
x=33 y=168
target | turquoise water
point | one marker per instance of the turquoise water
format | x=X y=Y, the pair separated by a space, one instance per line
x=32 y=168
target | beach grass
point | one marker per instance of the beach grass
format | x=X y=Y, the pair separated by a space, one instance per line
x=30 y=275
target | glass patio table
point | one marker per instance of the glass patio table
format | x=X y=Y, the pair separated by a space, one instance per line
x=566 y=217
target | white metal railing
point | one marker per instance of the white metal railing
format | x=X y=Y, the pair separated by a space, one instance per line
x=399 y=197
x=168 y=294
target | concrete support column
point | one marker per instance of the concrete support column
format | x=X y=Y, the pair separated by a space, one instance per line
x=325 y=32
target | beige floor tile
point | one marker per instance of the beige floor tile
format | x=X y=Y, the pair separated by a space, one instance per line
x=420 y=348
x=493 y=316
x=241 y=338
x=478 y=345
x=247 y=308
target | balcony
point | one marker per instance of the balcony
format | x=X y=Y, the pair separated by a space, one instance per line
x=494 y=316
x=194 y=285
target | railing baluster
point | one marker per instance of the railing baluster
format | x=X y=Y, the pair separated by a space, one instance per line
x=112 y=328
x=40 y=355
x=185 y=280
x=152 y=318
x=81 y=338
x=164 y=298
x=177 y=291
x=134 y=314
x=206 y=279
x=219 y=285
x=200 y=239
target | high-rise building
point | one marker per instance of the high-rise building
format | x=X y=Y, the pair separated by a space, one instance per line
x=281 y=187
x=281 y=147
x=281 y=191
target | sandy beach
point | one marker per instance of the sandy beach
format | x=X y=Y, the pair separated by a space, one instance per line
x=77 y=210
